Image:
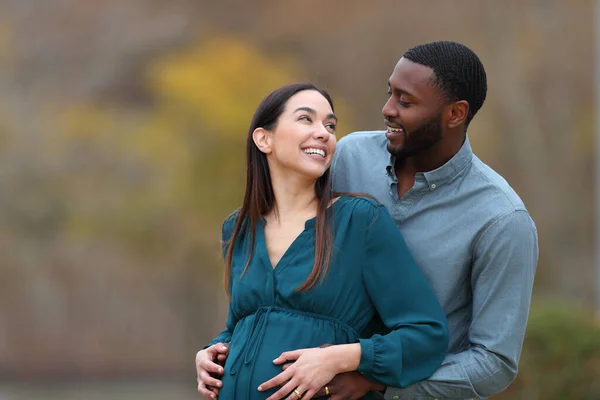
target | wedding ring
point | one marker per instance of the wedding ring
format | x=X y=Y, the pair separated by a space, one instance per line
x=326 y=391
x=297 y=393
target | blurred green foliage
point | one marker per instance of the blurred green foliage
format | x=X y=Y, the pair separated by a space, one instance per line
x=561 y=356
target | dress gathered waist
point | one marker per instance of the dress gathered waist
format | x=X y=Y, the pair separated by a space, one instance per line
x=260 y=324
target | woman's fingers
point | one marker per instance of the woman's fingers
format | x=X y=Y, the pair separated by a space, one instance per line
x=296 y=394
x=286 y=389
x=204 y=391
x=309 y=394
x=209 y=380
x=276 y=381
x=208 y=365
x=288 y=356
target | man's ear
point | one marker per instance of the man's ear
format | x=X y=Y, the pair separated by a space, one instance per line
x=262 y=139
x=458 y=114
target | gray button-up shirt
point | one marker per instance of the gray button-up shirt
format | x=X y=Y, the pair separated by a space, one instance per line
x=477 y=245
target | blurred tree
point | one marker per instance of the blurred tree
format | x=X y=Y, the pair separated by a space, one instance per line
x=150 y=186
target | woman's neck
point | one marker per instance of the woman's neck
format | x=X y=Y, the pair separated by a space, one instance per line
x=294 y=198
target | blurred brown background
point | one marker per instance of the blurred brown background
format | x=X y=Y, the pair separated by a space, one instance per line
x=122 y=128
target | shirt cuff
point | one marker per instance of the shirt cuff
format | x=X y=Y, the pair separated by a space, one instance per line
x=367 y=355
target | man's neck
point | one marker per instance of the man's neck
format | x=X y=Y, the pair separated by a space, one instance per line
x=430 y=159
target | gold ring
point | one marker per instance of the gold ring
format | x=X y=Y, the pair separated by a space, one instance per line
x=326 y=391
x=297 y=393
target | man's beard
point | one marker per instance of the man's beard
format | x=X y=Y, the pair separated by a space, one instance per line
x=418 y=140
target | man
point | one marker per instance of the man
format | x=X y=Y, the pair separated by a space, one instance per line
x=467 y=229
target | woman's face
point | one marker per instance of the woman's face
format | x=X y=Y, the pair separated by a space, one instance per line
x=304 y=139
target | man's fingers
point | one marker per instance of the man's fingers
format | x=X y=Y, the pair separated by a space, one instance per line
x=331 y=390
x=328 y=393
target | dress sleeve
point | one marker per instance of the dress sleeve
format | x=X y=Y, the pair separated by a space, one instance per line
x=226 y=233
x=418 y=333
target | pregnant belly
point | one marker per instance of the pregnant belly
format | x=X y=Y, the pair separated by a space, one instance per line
x=260 y=338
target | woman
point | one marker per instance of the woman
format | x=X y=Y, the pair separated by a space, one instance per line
x=307 y=267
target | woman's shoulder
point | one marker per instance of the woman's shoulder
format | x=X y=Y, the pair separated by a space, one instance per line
x=361 y=206
x=229 y=223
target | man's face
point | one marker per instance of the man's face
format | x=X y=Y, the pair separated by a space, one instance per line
x=413 y=112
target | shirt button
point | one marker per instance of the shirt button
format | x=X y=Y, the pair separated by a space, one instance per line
x=396 y=397
x=433 y=186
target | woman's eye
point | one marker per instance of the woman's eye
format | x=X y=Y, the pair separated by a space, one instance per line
x=331 y=127
x=304 y=118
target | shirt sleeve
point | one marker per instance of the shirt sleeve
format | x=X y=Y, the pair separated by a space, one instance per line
x=418 y=338
x=505 y=260
x=226 y=233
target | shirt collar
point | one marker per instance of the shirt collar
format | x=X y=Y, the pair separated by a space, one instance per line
x=442 y=174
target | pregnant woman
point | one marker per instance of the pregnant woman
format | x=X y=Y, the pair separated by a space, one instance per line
x=307 y=267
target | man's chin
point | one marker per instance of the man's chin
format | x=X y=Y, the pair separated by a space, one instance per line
x=395 y=150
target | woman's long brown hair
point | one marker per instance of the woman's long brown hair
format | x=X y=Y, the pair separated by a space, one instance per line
x=259 y=198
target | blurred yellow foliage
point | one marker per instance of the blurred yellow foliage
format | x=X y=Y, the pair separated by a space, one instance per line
x=220 y=82
x=182 y=159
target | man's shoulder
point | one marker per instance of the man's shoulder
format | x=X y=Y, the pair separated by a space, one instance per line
x=500 y=194
x=358 y=142
x=360 y=158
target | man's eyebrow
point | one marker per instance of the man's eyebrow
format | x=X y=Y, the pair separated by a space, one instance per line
x=313 y=112
x=401 y=91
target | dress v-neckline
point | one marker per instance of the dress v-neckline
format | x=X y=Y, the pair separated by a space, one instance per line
x=299 y=241
x=288 y=251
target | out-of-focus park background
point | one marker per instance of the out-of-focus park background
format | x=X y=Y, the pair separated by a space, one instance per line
x=122 y=128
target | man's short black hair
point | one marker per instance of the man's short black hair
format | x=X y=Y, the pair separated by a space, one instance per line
x=458 y=72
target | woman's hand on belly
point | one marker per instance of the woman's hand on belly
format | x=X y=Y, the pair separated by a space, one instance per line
x=312 y=369
x=208 y=366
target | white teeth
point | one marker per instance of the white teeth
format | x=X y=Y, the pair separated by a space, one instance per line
x=315 y=151
x=394 y=130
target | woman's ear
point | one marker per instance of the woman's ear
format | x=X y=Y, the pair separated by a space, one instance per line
x=262 y=139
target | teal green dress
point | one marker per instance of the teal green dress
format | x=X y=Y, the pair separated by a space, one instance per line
x=372 y=277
